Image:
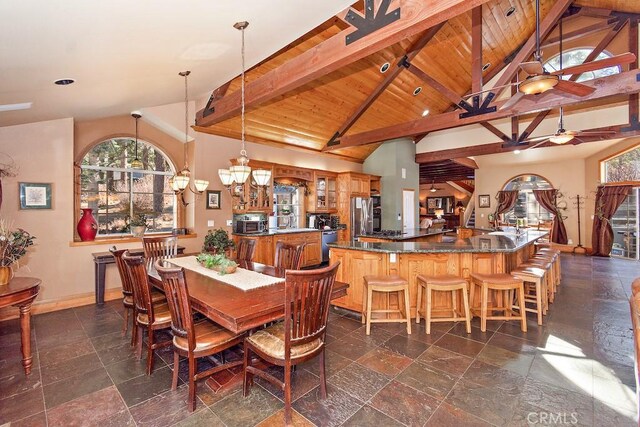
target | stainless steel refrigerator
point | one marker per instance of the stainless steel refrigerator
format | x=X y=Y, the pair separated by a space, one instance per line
x=361 y=216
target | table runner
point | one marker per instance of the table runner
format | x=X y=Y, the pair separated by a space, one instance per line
x=242 y=279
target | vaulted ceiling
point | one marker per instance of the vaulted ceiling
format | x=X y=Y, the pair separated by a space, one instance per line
x=357 y=97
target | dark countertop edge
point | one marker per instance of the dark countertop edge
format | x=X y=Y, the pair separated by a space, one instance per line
x=408 y=236
x=275 y=233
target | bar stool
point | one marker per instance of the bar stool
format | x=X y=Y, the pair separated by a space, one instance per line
x=443 y=283
x=547 y=265
x=385 y=284
x=539 y=296
x=499 y=282
x=556 y=261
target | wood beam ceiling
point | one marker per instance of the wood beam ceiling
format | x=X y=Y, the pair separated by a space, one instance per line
x=624 y=83
x=332 y=54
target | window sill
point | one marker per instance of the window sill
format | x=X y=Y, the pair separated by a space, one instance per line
x=129 y=239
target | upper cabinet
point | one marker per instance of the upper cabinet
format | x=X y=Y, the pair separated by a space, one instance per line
x=251 y=197
x=360 y=185
x=323 y=196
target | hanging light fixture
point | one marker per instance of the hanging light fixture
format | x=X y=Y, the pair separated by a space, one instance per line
x=240 y=172
x=136 y=163
x=180 y=182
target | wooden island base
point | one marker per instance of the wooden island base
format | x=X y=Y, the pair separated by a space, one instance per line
x=356 y=263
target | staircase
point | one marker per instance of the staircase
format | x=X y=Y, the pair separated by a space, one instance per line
x=471 y=222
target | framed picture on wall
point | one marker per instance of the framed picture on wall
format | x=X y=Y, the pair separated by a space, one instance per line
x=484 y=201
x=213 y=199
x=35 y=195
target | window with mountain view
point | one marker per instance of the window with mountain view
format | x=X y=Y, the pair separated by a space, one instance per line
x=117 y=192
x=623 y=167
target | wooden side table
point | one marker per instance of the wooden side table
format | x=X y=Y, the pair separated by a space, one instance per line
x=20 y=292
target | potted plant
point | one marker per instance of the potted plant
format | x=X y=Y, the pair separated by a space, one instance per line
x=13 y=246
x=138 y=225
x=217 y=242
x=217 y=262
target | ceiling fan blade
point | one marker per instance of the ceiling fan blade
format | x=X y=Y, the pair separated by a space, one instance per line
x=574 y=88
x=532 y=68
x=576 y=141
x=512 y=101
x=596 y=133
x=625 y=58
x=544 y=141
x=537 y=138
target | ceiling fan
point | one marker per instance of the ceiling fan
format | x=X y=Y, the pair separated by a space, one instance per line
x=539 y=80
x=563 y=136
x=433 y=188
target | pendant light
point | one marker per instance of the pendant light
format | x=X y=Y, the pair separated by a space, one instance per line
x=180 y=182
x=136 y=163
x=240 y=172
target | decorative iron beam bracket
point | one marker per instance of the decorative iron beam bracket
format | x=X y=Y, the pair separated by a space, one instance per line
x=478 y=109
x=371 y=21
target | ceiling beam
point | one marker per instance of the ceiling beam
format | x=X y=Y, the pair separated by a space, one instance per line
x=634 y=107
x=476 y=49
x=465 y=161
x=546 y=25
x=439 y=87
x=579 y=33
x=388 y=79
x=618 y=84
x=334 y=53
x=494 y=130
x=498 y=147
x=533 y=125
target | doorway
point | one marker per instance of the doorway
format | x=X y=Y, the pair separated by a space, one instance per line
x=625 y=228
x=408 y=209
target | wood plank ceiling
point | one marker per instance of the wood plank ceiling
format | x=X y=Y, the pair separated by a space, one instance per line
x=309 y=116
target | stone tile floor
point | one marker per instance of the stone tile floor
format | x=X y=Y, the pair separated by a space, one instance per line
x=575 y=369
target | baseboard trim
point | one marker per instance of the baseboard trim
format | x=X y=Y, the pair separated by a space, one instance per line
x=61 y=304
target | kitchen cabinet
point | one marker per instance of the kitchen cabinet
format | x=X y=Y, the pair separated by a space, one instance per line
x=312 y=254
x=264 y=253
x=360 y=185
x=323 y=196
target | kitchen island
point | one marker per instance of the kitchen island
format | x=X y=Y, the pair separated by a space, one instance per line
x=408 y=235
x=497 y=252
x=266 y=241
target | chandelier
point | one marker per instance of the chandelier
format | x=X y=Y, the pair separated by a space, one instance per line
x=180 y=182
x=240 y=172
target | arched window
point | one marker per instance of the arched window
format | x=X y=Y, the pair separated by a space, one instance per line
x=117 y=192
x=622 y=167
x=576 y=57
x=527 y=206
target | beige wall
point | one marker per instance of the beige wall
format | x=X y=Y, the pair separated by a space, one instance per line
x=567 y=176
x=46 y=151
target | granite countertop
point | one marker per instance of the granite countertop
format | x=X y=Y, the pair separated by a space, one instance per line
x=408 y=234
x=489 y=243
x=273 y=232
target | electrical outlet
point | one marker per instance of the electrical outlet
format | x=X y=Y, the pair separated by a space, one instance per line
x=211 y=223
x=229 y=222
x=404 y=173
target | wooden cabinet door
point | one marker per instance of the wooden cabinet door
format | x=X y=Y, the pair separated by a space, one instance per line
x=362 y=264
x=313 y=249
x=332 y=195
x=321 y=186
x=264 y=250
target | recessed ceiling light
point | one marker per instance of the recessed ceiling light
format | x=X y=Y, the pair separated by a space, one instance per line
x=516 y=151
x=384 y=67
x=14 y=107
x=425 y=113
x=64 y=82
x=510 y=11
x=486 y=66
x=417 y=90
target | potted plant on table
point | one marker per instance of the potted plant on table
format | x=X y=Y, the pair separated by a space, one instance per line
x=218 y=242
x=138 y=225
x=13 y=246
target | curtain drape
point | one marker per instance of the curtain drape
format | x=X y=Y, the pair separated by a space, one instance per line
x=506 y=202
x=547 y=199
x=608 y=200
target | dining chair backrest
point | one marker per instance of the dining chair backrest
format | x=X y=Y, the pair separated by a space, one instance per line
x=159 y=248
x=246 y=249
x=127 y=286
x=141 y=291
x=307 y=297
x=177 y=293
x=288 y=256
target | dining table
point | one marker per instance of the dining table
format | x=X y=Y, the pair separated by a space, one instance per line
x=236 y=309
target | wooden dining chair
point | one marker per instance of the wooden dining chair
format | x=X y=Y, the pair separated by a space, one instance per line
x=246 y=249
x=127 y=293
x=288 y=256
x=159 y=248
x=300 y=337
x=150 y=316
x=192 y=340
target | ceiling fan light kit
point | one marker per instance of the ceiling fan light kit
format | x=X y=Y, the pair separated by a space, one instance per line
x=535 y=85
x=562 y=137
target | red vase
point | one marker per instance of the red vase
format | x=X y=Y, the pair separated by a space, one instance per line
x=87 y=226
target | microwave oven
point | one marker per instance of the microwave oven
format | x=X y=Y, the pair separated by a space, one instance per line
x=246 y=226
